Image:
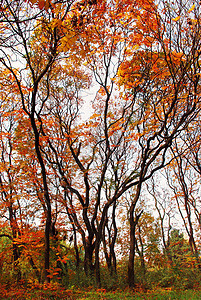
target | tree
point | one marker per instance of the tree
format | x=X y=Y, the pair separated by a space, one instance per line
x=10 y=178
x=183 y=182
x=32 y=37
x=170 y=63
x=179 y=247
x=165 y=209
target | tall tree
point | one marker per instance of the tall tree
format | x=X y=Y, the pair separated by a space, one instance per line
x=30 y=42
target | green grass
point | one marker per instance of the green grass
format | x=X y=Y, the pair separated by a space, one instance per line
x=59 y=293
x=162 y=295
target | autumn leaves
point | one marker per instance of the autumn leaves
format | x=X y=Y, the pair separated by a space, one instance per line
x=74 y=172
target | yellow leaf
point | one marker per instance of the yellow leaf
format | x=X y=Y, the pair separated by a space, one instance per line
x=95 y=116
x=176 y=19
x=192 y=8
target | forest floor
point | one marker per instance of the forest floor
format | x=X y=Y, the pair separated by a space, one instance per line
x=58 y=293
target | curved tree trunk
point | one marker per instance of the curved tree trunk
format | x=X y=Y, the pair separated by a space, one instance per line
x=133 y=222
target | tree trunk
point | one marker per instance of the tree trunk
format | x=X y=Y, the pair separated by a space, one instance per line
x=133 y=222
x=111 y=256
x=97 y=264
x=88 y=258
x=38 y=275
x=131 y=278
x=77 y=256
x=16 y=254
x=47 y=199
x=47 y=245
x=141 y=253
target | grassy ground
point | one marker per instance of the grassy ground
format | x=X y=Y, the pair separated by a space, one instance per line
x=160 y=295
x=58 y=293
